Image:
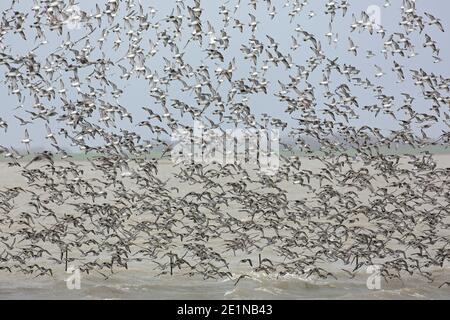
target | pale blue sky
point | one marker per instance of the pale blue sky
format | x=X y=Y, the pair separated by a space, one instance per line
x=136 y=90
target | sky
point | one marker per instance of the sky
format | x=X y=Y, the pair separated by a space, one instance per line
x=136 y=93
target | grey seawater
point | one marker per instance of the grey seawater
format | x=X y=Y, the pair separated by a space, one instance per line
x=136 y=283
x=141 y=281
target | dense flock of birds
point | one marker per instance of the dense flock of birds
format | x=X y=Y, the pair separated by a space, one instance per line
x=360 y=205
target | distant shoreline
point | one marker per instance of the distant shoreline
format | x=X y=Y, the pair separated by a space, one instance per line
x=405 y=150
